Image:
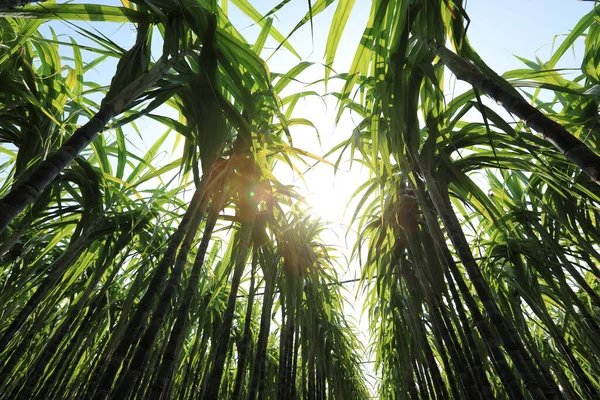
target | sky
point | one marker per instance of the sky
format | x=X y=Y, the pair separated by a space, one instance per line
x=499 y=31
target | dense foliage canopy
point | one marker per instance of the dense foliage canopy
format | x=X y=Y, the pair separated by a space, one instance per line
x=126 y=276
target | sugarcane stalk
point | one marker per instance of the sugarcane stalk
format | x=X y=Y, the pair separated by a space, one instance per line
x=570 y=146
x=27 y=191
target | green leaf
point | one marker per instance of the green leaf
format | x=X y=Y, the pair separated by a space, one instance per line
x=340 y=18
x=251 y=12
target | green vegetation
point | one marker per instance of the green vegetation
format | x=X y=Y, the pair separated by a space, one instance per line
x=127 y=277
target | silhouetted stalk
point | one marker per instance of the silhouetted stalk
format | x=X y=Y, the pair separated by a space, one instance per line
x=440 y=319
x=472 y=388
x=180 y=329
x=258 y=372
x=459 y=339
x=442 y=337
x=432 y=368
x=421 y=380
x=535 y=382
x=321 y=385
x=285 y=350
x=409 y=377
x=311 y=378
x=109 y=365
x=294 y=360
x=215 y=331
x=130 y=375
x=504 y=371
x=201 y=366
x=565 y=383
x=216 y=372
x=27 y=191
x=466 y=335
x=150 y=374
x=283 y=336
x=570 y=146
x=186 y=383
x=244 y=347
x=422 y=290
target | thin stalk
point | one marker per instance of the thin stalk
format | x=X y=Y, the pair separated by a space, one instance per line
x=433 y=370
x=286 y=339
x=294 y=355
x=470 y=348
x=245 y=348
x=130 y=375
x=421 y=380
x=451 y=271
x=180 y=329
x=312 y=384
x=27 y=191
x=441 y=335
x=186 y=383
x=534 y=380
x=258 y=373
x=201 y=366
x=571 y=147
x=108 y=366
x=216 y=373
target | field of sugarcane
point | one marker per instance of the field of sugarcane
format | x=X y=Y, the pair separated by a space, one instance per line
x=128 y=274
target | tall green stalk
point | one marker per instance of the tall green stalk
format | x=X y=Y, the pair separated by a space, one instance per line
x=131 y=371
x=161 y=383
x=220 y=351
x=245 y=347
x=534 y=380
x=257 y=376
x=109 y=365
